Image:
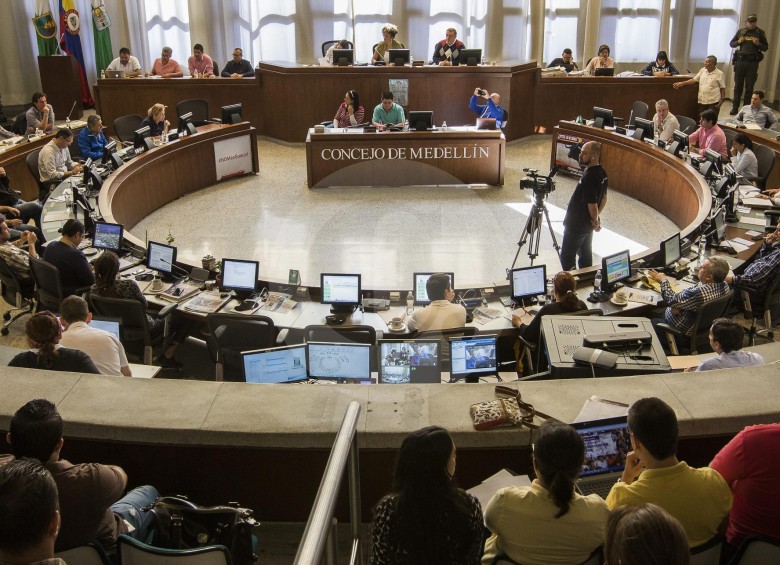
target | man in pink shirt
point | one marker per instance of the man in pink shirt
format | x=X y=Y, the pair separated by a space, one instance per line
x=166 y=67
x=200 y=62
x=709 y=135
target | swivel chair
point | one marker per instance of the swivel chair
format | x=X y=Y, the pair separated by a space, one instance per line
x=44 y=188
x=48 y=286
x=328 y=44
x=230 y=334
x=125 y=126
x=134 y=552
x=765 y=156
x=638 y=110
x=687 y=125
x=698 y=341
x=15 y=294
x=199 y=108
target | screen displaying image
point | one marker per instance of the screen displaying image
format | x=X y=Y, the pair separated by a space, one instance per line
x=528 y=281
x=161 y=257
x=274 y=366
x=339 y=361
x=605 y=449
x=110 y=325
x=421 y=290
x=473 y=355
x=618 y=267
x=108 y=236
x=338 y=289
x=409 y=362
x=239 y=275
x=671 y=249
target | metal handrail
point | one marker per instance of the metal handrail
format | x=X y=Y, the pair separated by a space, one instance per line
x=319 y=525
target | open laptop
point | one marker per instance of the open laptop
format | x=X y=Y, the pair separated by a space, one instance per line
x=486 y=123
x=109 y=324
x=604 y=72
x=115 y=74
x=607 y=443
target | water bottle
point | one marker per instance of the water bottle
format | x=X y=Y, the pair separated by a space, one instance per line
x=102 y=74
x=702 y=247
x=409 y=302
x=195 y=74
x=444 y=126
x=483 y=59
x=597 y=281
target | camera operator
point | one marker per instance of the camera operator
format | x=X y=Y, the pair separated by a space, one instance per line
x=492 y=109
x=582 y=214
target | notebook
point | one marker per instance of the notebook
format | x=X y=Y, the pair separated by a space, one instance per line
x=607 y=443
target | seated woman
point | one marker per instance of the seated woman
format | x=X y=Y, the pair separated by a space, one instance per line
x=645 y=535
x=427 y=519
x=350 y=112
x=547 y=522
x=602 y=61
x=661 y=67
x=156 y=121
x=43 y=333
x=742 y=157
x=381 y=50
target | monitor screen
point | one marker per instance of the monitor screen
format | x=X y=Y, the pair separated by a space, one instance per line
x=419 y=284
x=335 y=361
x=275 y=366
x=421 y=120
x=398 y=57
x=343 y=57
x=140 y=135
x=713 y=164
x=107 y=151
x=720 y=224
x=413 y=361
x=108 y=236
x=185 y=124
x=231 y=114
x=605 y=115
x=470 y=57
x=670 y=250
x=679 y=144
x=644 y=129
x=615 y=268
x=160 y=257
x=340 y=288
x=528 y=282
x=473 y=356
x=108 y=324
x=239 y=275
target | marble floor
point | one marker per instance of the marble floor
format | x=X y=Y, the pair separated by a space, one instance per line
x=385 y=234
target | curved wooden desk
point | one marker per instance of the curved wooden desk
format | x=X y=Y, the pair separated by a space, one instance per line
x=14 y=161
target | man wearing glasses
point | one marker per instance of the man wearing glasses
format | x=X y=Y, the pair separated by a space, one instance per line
x=54 y=162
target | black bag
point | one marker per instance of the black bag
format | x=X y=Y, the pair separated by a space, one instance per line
x=181 y=524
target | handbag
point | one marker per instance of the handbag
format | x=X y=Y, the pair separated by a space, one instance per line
x=510 y=411
x=181 y=524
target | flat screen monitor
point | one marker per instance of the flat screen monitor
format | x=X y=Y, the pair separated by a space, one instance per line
x=419 y=284
x=473 y=357
x=615 y=268
x=239 y=275
x=713 y=164
x=341 y=291
x=528 y=282
x=602 y=117
x=108 y=236
x=185 y=124
x=339 y=361
x=398 y=57
x=275 y=366
x=231 y=114
x=108 y=150
x=108 y=324
x=470 y=57
x=421 y=120
x=670 y=250
x=343 y=57
x=719 y=222
x=411 y=361
x=140 y=136
x=87 y=169
x=160 y=257
x=644 y=129
x=602 y=72
x=679 y=143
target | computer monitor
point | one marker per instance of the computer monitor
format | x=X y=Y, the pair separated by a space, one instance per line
x=339 y=361
x=341 y=291
x=528 y=282
x=411 y=361
x=419 y=284
x=602 y=117
x=185 y=124
x=398 y=57
x=670 y=251
x=713 y=164
x=679 y=143
x=470 y=57
x=161 y=258
x=275 y=366
x=108 y=150
x=343 y=57
x=87 y=169
x=231 y=114
x=108 y=236
x=473 y=357
x=614 y=269
x=645 y=129
x=142 y=138
x=718 y=229
x=240 y=276
x=421 y=120
x=108 y=324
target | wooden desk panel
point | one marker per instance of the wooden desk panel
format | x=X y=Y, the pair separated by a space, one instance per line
x=14 y=161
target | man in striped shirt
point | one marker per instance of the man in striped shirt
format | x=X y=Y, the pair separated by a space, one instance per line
x=761 y=271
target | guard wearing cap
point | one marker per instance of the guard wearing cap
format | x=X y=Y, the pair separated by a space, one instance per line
x=749 y=45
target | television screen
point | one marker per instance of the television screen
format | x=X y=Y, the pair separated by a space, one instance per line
x=231 y=114
x=413 y=361
x=473 y=357
x=470 y=57
x=615 y=268
x=160 y=257
x=239 y=275
x=419 y=284
x=398 y=57
x=339 y=361
x=108 y=236
x=343 y=57
x=275 y=366
x=340 y=288
x=421 y=120
x=528 y=282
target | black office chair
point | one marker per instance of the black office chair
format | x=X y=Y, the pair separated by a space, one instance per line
x=216 y=70
x=199 y=108
x=638 y=110
x=20 y=124
x=687 y=125
x=230 y=334
x=444 y=336
x=125 y=126
x=18 y=295
x=761 y=310
x=44 y=188
x=699 y=340
x=730 y=135
x=504 y=118
x=48 y=286
x=328 y=44
x=340 y=334
x=765 y=156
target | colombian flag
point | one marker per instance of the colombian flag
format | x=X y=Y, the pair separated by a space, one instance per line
x=70 y=42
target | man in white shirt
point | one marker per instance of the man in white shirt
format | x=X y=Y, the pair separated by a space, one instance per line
x=54 y=162
x=712 y=85
x=105 y=350
x=125 y=62
x=441 y=313
x=664 y=121
x=726 y=338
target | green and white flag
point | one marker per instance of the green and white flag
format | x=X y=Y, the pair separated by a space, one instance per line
x=100 y=25
x=45 y=28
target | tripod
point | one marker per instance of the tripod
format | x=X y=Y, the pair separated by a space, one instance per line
x=533 y=230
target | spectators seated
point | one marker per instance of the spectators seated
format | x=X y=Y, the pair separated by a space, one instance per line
x=16 y=258
x=726 y=338
x=64 y=253
x=645 y=535
x=441 y=313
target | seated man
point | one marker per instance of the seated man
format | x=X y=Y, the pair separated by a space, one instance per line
x=91 y=139
x=103 y=347
x=64 y=253
x=40 y=115
x=664 y=121
x=388 y=113
x=757 y=113
x=54 y=162
x=16 y=207
x=726 y=338
x=447 y=51
x=682 y=306
x=17 y=259
x=566 y=60
x=709 y=135
x=166 y=67
x=490 y=110
x=699 y=498
x=238 y=67
x=200 y=62
x=441 y=313
x=84 y=489
x=29 y=513
x=127 y=63
x=762 y=269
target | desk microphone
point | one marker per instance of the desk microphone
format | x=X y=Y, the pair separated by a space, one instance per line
x=72 y=108
x=186 y=273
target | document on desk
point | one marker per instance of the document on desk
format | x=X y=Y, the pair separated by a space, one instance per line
x=58 y=215
x=205 y=303
x=641 y=296
x=487 y=488
x=757 y=202
x=483 y=315
x=596 y=408
x=181 y=291
x=740 y=244
x=278 y=302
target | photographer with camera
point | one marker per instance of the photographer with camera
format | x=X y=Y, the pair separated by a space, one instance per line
x=582 y=214
x=490 y=110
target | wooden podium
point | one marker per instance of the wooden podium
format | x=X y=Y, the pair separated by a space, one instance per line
x=61 y=82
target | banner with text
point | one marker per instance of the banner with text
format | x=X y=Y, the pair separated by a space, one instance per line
x=233 y=157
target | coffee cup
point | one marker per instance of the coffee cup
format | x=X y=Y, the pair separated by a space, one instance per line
x=396 y=324
x=621 y=297
x=157 y=284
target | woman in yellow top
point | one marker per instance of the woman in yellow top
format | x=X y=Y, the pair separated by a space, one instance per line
x=382 y=49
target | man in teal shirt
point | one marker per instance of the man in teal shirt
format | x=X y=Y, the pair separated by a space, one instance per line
x=388 y=113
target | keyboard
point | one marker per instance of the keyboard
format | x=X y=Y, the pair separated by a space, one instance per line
x=128 y=262
x=600 y=487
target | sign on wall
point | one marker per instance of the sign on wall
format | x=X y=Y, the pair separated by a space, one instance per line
x=233 y=157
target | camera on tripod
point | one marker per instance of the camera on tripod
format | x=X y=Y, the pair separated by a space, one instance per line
x=540 y=184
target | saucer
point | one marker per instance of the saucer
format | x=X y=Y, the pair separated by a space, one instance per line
x=613 y=301
x=400 y=329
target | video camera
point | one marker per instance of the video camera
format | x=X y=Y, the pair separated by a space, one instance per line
x=540 y=184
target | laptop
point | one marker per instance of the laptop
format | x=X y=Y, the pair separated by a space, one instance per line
x=486 y=123
x=115 y=74
x=604 y=72
x=109 y=324
x=607 y=443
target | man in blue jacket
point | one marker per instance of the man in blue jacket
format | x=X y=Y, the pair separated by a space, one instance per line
x=492 y=109
x=91 y=139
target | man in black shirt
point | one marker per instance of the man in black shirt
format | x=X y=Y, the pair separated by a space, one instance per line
x=238 y=67
x=64 y=253
x=750 y=43
x=582 y=214
x=565 y=60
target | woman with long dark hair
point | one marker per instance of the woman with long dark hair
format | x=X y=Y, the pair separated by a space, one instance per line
x=43 y=331
x=350 y=112
x=427 y=519
x=547 y=522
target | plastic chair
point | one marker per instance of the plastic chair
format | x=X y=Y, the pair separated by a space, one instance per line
x=134 y=552
x=770 y=299
x=638 y=110
x=707 y=553
x=766 y=162
x=757 y=550
x=48 y=286
x=233 y=333
x=199 y=108
x=44 y=188
x=700 y=334
x=125 y=126
x=328 y=44
x=89 y=554
x=687 y=125
x=15 y=295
